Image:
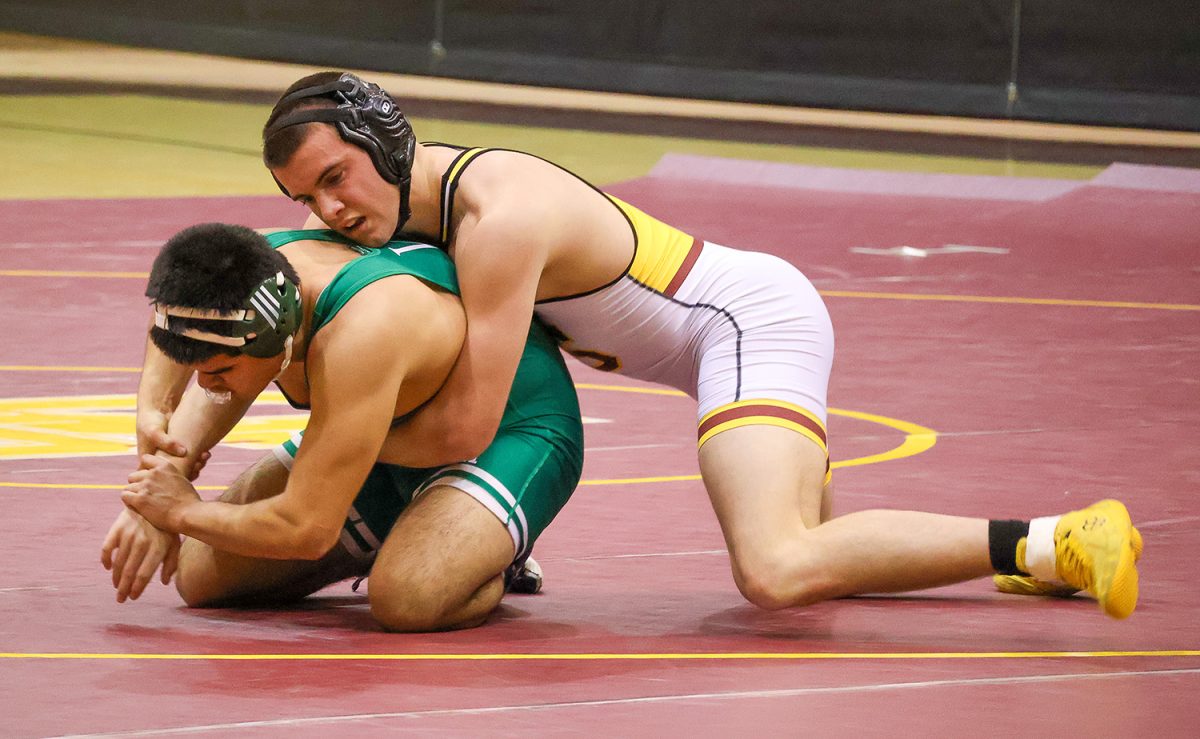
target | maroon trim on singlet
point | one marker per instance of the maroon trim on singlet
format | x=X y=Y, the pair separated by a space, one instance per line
x=685 y=269
x=770 y=411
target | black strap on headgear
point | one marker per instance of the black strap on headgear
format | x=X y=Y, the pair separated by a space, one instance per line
x=365 y=116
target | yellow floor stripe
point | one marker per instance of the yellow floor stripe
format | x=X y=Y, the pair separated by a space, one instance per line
x=631 y=389
x=581 y=657
x=1010 y=300
x=636 y=480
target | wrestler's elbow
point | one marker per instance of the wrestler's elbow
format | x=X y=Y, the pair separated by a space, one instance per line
x=311 y=541
x=307 y=538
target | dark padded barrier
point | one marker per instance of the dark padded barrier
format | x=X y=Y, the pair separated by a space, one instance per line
x=1105 y=61
x=1111 y=61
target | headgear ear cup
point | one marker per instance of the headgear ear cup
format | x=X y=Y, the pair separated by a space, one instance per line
x=277 y=315
x=365 y=116
x=261 y=328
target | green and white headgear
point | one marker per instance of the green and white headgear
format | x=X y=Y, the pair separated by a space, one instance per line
x=264 y=327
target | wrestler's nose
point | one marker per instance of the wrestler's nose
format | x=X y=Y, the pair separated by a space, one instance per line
x=208 y=382
x=328 y=207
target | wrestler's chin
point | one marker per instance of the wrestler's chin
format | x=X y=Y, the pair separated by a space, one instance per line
x=373 y=241
x=369 y=234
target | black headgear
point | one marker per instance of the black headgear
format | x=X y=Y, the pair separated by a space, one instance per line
x=365 y=116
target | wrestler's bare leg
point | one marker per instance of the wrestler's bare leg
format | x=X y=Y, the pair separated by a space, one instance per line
x=209 y=577
x=766 y=485
x=442 y=565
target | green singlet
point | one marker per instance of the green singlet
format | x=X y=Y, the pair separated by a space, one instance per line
x=532 y=466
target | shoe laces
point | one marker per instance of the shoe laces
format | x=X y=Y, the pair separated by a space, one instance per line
x=1074 y=564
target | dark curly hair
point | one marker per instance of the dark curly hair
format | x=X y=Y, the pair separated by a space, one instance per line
x=215 y=266
x=278 y=150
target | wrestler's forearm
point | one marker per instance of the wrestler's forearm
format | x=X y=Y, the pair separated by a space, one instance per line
x=456 y=424
x=257 y=529
x=200 y=422
x=162 y=383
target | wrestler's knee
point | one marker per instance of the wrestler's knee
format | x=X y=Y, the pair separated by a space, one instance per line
x=414 y=604
x=193 y=578
x=780 y=576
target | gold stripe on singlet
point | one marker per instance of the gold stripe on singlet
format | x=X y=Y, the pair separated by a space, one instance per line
x=665 y=255
x=762 y=412
x=765 y=413
x=449 y=185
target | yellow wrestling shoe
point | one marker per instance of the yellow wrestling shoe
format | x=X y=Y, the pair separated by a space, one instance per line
x=1094 y=551
x=1030 y=585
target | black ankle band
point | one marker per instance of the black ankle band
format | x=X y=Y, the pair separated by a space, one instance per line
x=1002 y=545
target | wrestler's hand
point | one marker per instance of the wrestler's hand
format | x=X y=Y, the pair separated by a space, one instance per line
x=191 y=472
x=152 y=434
x=198 y=465
x=133 y=550
x=160 y=493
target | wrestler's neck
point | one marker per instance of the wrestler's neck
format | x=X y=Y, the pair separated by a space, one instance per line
x=424 y=197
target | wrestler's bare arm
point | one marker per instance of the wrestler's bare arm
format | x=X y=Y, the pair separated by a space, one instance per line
x=511 y=228
x=159 y=391
x=356 y=367
x=132 y=549
x=498 y=286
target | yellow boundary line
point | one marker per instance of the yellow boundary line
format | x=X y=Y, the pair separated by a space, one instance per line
x=1004 y=300
x=610 y=656
x=631 y=389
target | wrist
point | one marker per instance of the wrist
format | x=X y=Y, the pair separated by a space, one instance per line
x=182 y=518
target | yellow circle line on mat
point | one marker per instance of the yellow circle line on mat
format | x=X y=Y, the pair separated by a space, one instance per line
x=584 y=656
x=917 y=439
x=827 y=293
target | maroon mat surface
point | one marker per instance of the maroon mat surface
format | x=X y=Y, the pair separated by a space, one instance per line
x=1057 y=366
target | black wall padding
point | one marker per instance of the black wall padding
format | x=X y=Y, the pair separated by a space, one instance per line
x=1092 y=61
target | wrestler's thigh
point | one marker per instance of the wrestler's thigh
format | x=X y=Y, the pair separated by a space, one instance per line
x=766 y=484
x=827 y=501
x=443 y=548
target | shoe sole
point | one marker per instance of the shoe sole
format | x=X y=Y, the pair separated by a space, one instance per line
x=1026 y=585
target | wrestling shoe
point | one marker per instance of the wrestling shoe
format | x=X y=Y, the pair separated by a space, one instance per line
x=523 y=577
x=1030 y=585
x=1094 y=551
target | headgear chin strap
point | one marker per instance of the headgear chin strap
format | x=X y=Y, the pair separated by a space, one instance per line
x=365 y=116
x=264 y=328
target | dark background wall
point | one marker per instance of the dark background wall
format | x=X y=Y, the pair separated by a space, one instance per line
x=1110 y=62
